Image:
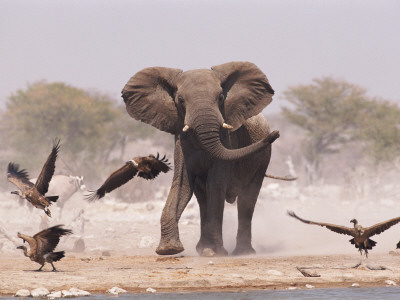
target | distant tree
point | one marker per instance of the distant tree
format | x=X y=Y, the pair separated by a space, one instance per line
x=90 y=125
x=379 y=128
x=328 y=110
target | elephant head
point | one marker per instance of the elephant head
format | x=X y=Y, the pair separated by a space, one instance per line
x=202 y=101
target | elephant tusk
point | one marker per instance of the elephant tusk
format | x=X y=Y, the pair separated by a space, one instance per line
x=227 y=126
x=186 y=128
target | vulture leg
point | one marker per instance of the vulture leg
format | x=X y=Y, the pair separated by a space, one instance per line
x=40 y=269
x=54 y=268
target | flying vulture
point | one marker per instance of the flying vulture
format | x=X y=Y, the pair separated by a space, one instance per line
x=42 y=245
x=34 y=193
x=147 y=167
x=361 y=236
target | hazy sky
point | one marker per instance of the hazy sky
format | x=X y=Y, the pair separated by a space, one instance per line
x=95 y=44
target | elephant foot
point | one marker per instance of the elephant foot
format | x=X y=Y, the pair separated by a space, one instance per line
x=169 y=248
x=243 y=251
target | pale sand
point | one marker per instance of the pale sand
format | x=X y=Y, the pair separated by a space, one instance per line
x=129 y=233
x=97 y=274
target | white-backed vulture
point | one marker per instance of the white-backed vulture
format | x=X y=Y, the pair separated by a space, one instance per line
x=147 y=167
x=361 y=236
x=42 y=245
x=34 y=193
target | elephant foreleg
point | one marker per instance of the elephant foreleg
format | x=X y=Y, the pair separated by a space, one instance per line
x=212 y=229
x=179 y=196
x=200 y=192
x=247 y=199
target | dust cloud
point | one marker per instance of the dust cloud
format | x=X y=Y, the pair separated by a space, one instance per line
x=114 y=227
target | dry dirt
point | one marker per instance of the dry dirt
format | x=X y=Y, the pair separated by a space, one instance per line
x=120 y=240
x=96 y=274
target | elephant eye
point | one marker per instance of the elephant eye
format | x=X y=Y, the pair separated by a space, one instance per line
x=221 y=98
x=181 y=101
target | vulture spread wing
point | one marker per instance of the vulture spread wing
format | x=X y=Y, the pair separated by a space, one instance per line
x=380 y=227
x=47 y=240
x=18 y=177
x=115 y=180
x=150 y=166
x=42 y=183
x=334 y=228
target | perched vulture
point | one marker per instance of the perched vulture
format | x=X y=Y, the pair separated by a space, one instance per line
x=34 y=193
x=42 y=245
x=361 y=236
x=147 y=167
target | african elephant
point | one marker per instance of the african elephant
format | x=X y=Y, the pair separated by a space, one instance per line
x=222 y=144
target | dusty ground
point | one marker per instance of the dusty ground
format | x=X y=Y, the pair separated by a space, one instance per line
x=97 y=273
x=120 y=240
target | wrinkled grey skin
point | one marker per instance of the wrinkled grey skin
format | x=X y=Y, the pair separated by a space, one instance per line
x=214 y=163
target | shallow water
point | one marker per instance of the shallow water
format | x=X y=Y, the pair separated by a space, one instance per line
x=381 y=293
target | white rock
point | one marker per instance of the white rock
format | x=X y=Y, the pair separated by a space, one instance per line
x=22 y=293
x=40 y=292
x=309 y=286
x=292 y=288
x=150 y=290
x=355 y=285
x=116 y=290
x=274 y=272
x=66 y=294
x=79 y=293
x=54 y=295
x=390 y=282
x=211 y=263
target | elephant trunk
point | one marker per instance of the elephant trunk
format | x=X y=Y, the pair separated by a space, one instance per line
x=207 y=129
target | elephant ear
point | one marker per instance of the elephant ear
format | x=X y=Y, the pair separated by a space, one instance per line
x=247 y=91
x=149 y=97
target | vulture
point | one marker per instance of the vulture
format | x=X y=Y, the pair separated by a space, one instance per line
x=361 y=236
x=35 y=193
x=42 y=245
x=147 y=167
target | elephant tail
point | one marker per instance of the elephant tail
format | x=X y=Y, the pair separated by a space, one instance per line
x=286 y=178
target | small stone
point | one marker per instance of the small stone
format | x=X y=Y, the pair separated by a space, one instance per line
x=79 y=293
x=390 y=282
x=211 y=263
x=54 y=295
x=274 y=272
x=116 y=290
x=22 y=293
x=292 y=288
x=309 y=286
x=355 y=285
x=40 y=292
x=208 y=252
x=150 y=290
